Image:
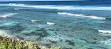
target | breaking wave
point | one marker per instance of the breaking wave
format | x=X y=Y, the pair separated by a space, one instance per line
x=59 y=7
x=80 y=15
x=104 y=31
x=7 y=15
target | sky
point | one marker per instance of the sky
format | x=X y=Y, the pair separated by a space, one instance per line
x=59 y=0
x=41 y=0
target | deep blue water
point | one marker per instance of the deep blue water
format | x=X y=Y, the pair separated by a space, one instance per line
x=76 y=25
x=96 y=2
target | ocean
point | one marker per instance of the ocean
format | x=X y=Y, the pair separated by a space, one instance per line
x=66 y=24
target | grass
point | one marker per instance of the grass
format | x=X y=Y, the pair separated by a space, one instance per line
x=8 y=43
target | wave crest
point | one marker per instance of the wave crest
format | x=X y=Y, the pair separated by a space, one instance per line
x=12 y=4
x=8 y=15
x=59 y=7
x=104 y=31
x=81 y=15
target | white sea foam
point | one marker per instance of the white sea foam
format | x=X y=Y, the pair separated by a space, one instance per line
x=12 y=4
x=107 y=42
x=105 y=31
x=81 y=15
x=33 y=21
x=18 y=8
x=7 y=15
x=50 y=23
x=4 y=33
x=59 y=7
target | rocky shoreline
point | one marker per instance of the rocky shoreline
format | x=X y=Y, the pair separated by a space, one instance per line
x=9 y=43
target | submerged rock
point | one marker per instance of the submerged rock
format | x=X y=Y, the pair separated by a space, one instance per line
x=21 y=38
x=31 y=38
x=13 y=26
x=66 y=48
x=42 y=32
x=89 y=48
x=53 y=41
x=70 y=42
x=47 y=45
x=51 y=32
x=10 y=24
x=29 y=30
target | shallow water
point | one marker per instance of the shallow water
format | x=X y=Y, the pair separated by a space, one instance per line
x=71 y=26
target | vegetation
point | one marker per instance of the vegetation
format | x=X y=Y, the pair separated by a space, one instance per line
x=8 y=43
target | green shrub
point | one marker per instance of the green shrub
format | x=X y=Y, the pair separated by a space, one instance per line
x=7 y=43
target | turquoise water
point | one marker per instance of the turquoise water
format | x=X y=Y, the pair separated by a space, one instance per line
x=67 y=26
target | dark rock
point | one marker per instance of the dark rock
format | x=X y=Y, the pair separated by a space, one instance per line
x=108 y=36
x=70 y=42
x=53 y=41
x=66 y=48
x=47 y=45
x=18 y=28
x=95 y=38
x=60 y=40
x=21 y=38
x=38 y=48
x=93 y=42
x=14 y=27
x=89 y=41
x=89 y=48
x=51 y=32
x=102 y=47
x=29 y=30
x=42 y=32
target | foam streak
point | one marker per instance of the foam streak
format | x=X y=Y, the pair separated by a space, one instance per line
x=7 y=15
x=81 y=15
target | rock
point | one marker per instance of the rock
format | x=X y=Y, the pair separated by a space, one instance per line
x=18 y=28
x=13 y=26
x=70 y=42
x=41 y=32
x=10 y=24
x=66 y=48
x=29 y=30
x=51 y=32
x=21 y=38
x=95 y=38
x=31 y=38
x=92 y=42
x=47 y=45
x=89 y=48
x=38 y=48
x=53 y=41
